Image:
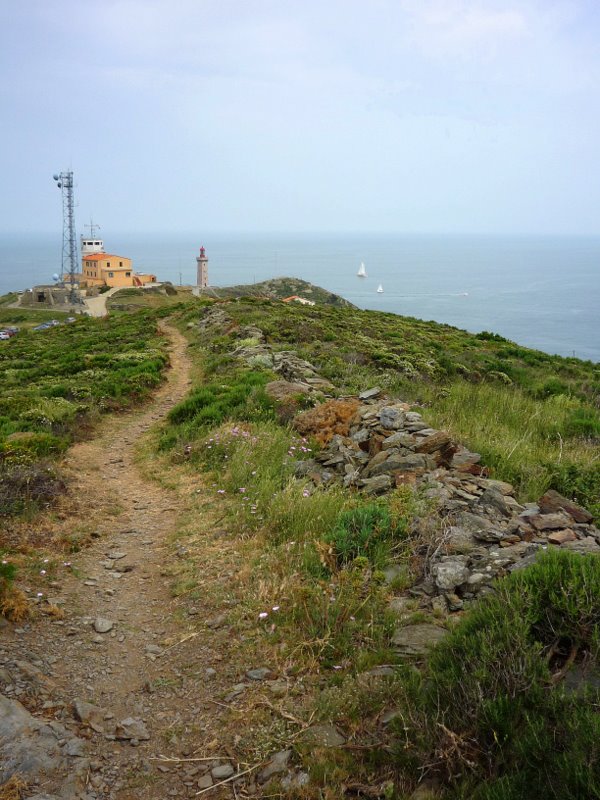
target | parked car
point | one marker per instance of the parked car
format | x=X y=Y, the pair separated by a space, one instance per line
x=4 y=335
x=43 y=327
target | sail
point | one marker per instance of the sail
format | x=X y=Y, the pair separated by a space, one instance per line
x=380 y=289
x=362 y=272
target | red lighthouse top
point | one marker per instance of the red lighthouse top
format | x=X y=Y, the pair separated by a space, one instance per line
x=202 y=252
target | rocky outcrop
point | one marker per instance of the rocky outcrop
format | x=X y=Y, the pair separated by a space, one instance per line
x=39 y=750
x=477 y=530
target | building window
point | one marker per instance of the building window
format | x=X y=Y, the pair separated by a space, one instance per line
x=128 y=274
x=111 y=274
x=108 y=263
x=120 y=263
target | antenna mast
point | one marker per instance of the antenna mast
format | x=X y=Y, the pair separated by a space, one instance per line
x=64 y=181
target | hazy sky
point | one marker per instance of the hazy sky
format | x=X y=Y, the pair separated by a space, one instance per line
x=272 y=115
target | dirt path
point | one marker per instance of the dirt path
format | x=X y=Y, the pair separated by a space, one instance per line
x=96 y=306
x=153 y=664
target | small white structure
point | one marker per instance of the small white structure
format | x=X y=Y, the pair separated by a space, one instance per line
x=362 y=272
x=92 y=243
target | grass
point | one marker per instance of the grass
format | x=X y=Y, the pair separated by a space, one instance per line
x=54 y=384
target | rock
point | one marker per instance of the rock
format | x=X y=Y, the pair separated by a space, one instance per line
x=391 y=417
x=222 y=772
x=32 y=749
x=277 y=765
x=89 y=715
x=259 y=674
x=560 y=537
x=549 y=522
x=400 y=439
x=435 y=441
x=492 y=498
x=370 y=394
x=376 y=485
x=131 y=728
x=449 y=574
x=325 y=735
x=584 y=546
x=205 y=782
x=396 y=462
x=282 y=391
x=153 y=649
x=103 y=625
x=415 y=640
x=115 y=555
x=376 y=461
x=459 y=540
x=463 y=460
x=552 y=502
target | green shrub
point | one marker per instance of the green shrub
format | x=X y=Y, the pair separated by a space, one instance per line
x=494 y=716
x=368 y=530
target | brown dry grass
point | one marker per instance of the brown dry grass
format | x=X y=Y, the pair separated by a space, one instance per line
x=14 y=606
x=13 y=788
x=324 y=421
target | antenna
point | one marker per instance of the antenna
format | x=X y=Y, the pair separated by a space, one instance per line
x=93 y=228
x=64 y=181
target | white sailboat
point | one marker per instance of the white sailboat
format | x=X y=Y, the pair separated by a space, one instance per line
x=362 y=272
x=380 y=289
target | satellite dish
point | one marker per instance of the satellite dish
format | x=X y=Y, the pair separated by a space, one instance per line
x=55 y=277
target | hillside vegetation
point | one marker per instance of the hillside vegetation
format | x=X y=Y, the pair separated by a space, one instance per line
x=53 y=383
x=327 y=584
x=332 y=580
x=534 y=417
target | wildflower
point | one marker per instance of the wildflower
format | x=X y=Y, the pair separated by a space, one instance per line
x=42 y=572
x=220 y=491
x=263 y=615
x=40 y=594
x=337 y=666
x=242 y=489
x=275 y=608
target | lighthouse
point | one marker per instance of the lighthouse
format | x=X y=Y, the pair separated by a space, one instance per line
x=202 y=261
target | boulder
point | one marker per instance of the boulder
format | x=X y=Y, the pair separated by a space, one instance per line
x=449 y=574
x=552 y=502
x=549 y=522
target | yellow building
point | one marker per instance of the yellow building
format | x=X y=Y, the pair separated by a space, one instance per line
x=107 y=269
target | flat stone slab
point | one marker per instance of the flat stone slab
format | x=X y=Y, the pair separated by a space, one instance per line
x=416 y=640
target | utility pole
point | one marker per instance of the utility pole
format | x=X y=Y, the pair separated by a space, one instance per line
x=64 y=181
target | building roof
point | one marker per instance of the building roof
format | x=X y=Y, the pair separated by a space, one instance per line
x=101 y=256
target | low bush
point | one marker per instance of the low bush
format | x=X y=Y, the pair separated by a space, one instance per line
x=370 y=530
x=508 y=705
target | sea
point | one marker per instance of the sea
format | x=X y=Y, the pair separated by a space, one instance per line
x=539 y=291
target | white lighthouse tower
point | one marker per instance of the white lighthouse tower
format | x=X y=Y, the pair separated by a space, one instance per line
x=202 y=261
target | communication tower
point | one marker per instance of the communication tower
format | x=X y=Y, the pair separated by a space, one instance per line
x=64 y=181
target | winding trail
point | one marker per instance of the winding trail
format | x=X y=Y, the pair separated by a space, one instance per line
x=151 y=665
